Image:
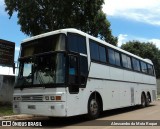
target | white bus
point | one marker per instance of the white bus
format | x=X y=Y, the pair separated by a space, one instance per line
x=68 y=72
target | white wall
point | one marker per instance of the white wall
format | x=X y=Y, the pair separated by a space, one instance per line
x=6 y=70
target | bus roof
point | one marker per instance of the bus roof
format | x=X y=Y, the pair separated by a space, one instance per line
x=73 y=30
x=54 y=32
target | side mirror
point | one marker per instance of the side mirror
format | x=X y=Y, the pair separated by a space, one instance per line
x=14 y=68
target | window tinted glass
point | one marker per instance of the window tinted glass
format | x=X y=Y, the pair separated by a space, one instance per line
x=94 y=51
x=82 y=44
x=102 y=53
x=126 y=61
x=117 y=59
x=114 y=57
x=72 y=43
x=76 y=43
x=144 y=67
x=129 y=62
x=73 y=70
x=136 y=65
x=43 y=69
x=83 y=69
x=150 y=69
x=46 y=44
x=111 y=56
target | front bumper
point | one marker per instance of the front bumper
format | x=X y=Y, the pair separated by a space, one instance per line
x=57 y=109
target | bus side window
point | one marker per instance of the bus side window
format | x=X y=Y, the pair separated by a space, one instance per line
x=150 y=69
x=114 y=57
x=77 y=43
x=111 y=56
x=94 y=50
x=126 y=61
x=144 y=67
x=136 y=64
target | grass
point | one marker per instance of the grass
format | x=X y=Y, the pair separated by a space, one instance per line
x=158 y=96
x=6 y=110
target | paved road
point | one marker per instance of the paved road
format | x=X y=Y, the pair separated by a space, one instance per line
x=132 y=113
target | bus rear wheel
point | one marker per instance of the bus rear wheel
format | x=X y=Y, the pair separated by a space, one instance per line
x=143 y=100
x=93 y=108
x=148 y=100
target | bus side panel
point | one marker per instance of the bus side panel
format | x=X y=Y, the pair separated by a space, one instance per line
x=128 y=76
x=117 y=87
x=99 y=71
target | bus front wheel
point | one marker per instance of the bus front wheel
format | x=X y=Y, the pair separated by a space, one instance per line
x=93 y=108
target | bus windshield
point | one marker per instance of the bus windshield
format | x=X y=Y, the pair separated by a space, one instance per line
x=42 y=70
x=42 y=45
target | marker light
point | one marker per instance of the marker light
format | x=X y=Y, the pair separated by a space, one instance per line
x=58 y=98
x=52 y=98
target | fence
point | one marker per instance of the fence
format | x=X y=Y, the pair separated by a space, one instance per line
x=6 y=88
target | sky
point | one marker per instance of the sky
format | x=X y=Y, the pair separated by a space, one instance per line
x=134 y=20
x=130 y=20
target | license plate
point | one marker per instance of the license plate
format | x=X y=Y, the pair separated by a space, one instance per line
x=31 y=107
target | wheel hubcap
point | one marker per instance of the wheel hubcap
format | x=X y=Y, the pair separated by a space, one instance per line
x=93 y=106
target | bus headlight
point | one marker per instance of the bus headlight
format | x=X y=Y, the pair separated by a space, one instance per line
x=17 y=98
x=46 y=97
x=52 y=98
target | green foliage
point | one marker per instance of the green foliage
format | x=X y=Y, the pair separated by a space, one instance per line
x=40 y=16
x=6 y=110
x=145 y=50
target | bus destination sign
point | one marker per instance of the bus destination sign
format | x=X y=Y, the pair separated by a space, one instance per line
x=7 y=49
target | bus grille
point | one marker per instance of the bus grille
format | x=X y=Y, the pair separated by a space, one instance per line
x=32 y=98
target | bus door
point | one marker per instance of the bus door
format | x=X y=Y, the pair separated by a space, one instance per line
x=78 y=72
x=73 y=80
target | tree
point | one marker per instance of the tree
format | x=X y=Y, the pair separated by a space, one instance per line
x=40 y=16
x=145 y=50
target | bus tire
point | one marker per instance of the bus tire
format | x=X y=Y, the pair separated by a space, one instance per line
x=143 y=100
x=93 y=108
x=147 y=100
x=149 y=97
